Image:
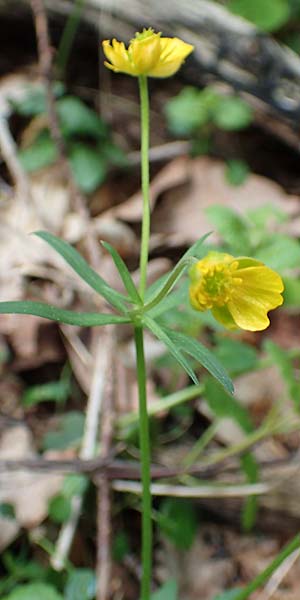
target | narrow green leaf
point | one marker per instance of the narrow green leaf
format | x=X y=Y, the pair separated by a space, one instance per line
x=40 y=309
x=82 y=268
x=162 y=335
x=124 y=273
x=202 y=355
x=194 y=251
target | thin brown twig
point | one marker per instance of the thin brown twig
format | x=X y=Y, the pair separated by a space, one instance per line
x=45 y=53
x=115 y=468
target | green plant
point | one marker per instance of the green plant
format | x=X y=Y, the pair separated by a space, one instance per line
x=214 y=281
x=87 y=139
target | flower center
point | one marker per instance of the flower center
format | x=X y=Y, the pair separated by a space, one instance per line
x=216 y=285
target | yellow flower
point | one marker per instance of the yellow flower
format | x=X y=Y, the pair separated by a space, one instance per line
x=239 y=291
x=147 y=54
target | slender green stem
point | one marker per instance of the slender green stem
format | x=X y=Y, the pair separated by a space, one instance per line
x=145 y=466
x=264 y=576
x=68 y=35
x=144 y=99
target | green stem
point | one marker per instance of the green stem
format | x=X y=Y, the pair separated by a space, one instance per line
x=68 y=36
x=264 y=576
x=145 y=466
x=144 y=99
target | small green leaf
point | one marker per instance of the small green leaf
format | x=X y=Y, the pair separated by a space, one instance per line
x=162 y=335
x=81 y=585
x=41 y=153
x=78 y=119
x=68 y=434
x=232 y=114
x=237 y=357
x=204 y=356
x=82 y=268
x=186 y=112
x=224 y=405
x=7 y=511
x=178 y=521
x=34 y=591
x=35 y=102
x=169 y=591
x=236 y=172
x=232 y=228
x=280 y=253
x=40 y=309
x=88 y=166
x=291 y=292
x=53 y=391
x=268 y=15
x=59 y=508
x=124 y=274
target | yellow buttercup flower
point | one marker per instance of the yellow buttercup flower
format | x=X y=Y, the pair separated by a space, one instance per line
x=238 y=291
x=147 y=54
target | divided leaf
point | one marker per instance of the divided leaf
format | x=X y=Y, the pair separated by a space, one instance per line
x=82 y=268
x=204 y=356
x=40 y=309
x=124 y=273
x=162 y=335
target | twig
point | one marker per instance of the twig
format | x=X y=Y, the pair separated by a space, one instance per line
x=45 y=60
x=89 y=444
x=9 y=152
x=163 y=152
x=201 y=491
x=103 y=568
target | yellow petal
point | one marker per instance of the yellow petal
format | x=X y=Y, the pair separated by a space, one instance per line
x=173 y=53
x=145 y=53
x=174 y=49
x=259 y=292
x=118 y=57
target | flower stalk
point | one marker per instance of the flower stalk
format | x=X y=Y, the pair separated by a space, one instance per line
x=144 y=103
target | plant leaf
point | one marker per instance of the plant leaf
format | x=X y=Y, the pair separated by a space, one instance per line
x=82 y=268
x=162 y=335
x=41 y=309
x=88 y=165
x=167 y=592
x=124 y=273
x=169 y=280
x=204 y=356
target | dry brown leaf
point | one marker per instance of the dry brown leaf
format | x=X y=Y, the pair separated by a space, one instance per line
x=182 y=210
x=27 y=491
x=174 y=174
